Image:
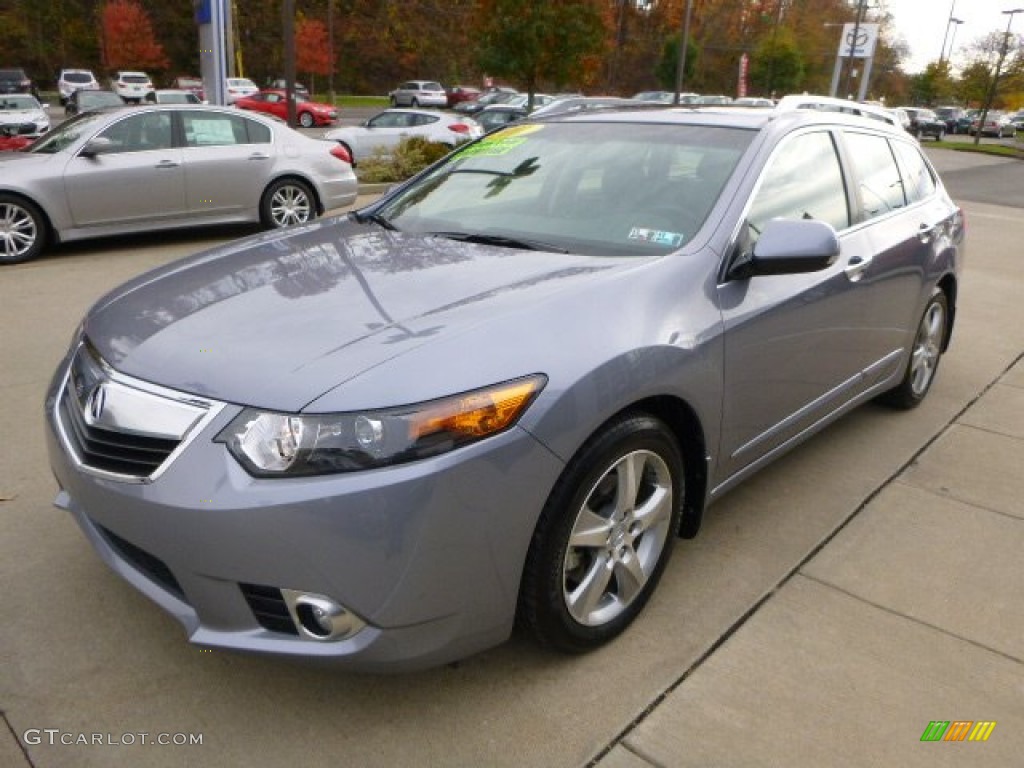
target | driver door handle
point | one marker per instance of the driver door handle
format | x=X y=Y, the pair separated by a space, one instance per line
x=856 y=266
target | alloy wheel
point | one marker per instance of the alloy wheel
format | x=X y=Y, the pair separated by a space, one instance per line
x=617 y=538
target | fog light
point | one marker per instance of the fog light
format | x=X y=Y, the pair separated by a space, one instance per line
x=317 y=617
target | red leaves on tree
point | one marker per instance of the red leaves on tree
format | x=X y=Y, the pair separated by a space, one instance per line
x=128 y=39
x=312 y=53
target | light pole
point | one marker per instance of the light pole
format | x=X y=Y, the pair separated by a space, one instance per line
x=995 y=77
x=952 y=38
x=952 y=10
x=681 y=65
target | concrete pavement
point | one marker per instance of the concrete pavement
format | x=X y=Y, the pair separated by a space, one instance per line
x=834 y=605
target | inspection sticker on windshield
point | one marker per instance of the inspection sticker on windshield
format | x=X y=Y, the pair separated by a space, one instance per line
x=656 y=236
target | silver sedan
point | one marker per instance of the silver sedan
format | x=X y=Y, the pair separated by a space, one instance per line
x=130 y=170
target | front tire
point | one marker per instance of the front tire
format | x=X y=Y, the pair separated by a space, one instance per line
x=925 y=355
x=287 y=202
x=22 y=230
x=306 y=120
x=604 y=536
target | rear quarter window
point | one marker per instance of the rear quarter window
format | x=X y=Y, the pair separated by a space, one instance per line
x=919 y=183
x=878 y=178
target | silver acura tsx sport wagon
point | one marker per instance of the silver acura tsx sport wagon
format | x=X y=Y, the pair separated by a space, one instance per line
x=501 y=392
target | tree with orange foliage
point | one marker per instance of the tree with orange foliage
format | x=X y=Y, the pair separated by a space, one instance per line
x=312 y=52
x=127 y=37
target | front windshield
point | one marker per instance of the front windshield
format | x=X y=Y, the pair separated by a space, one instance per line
x=597 y=188
x=66 y=133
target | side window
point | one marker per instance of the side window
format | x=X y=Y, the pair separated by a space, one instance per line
x=211 y=129
x=919 y=180
x=424 y=119
x=881 y=186
x=802 y=181
x=140 y=133
x=258 y=132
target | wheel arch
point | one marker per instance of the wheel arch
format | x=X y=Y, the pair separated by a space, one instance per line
x=293 y=176
x=948 y=285
x=52 y=234
x=686 y=428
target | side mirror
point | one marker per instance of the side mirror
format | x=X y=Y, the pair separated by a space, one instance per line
x=99 y=145
x=789 y=247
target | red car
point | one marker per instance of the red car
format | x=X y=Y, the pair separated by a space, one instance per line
x=461 y=93
x=274 y=102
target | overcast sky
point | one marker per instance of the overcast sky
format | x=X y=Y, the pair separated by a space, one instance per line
x=922 y=23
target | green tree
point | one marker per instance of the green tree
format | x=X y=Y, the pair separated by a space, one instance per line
x=974 y=81
x=669 y=63
x=777 y=66
x=537 y=41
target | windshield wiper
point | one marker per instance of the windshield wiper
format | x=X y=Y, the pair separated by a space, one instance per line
x=375 y=218
x=500 y=240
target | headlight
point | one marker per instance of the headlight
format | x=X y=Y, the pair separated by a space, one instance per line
x=279 y=444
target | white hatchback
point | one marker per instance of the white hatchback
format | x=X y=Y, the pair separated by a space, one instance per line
x=71 y=80
x=131 y=86
x=384 y=131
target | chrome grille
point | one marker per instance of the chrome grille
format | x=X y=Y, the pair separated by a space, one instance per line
x=120 y=427
x=117 y=452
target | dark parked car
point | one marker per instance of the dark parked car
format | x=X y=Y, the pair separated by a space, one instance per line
x=956 y=119
x=500 y=393
x=14 y=80
x=924 y=122
x=497 y=115
x=83 y=100
x=497 y=96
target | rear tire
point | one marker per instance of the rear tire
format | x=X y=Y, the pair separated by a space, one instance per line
x=925 y=354
x=23 y=230
x=287 y=202
x=604 y=536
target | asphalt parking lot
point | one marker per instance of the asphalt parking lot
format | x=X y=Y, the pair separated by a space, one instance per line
x=835 y=604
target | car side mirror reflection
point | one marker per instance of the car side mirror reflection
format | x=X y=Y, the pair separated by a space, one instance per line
x=788 y=247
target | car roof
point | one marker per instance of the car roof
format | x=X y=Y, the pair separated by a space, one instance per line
x=728 y=116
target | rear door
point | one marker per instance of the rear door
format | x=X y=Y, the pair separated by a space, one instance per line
x=229 y=159
x=904 y=217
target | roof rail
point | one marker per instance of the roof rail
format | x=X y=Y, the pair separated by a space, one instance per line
x=830 y=104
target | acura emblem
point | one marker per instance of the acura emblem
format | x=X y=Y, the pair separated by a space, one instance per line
x=96 y=402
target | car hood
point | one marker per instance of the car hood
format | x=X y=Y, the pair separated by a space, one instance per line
x=278 y=320
x=9 y=116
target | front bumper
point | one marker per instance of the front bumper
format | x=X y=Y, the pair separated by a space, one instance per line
x=428 y=554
